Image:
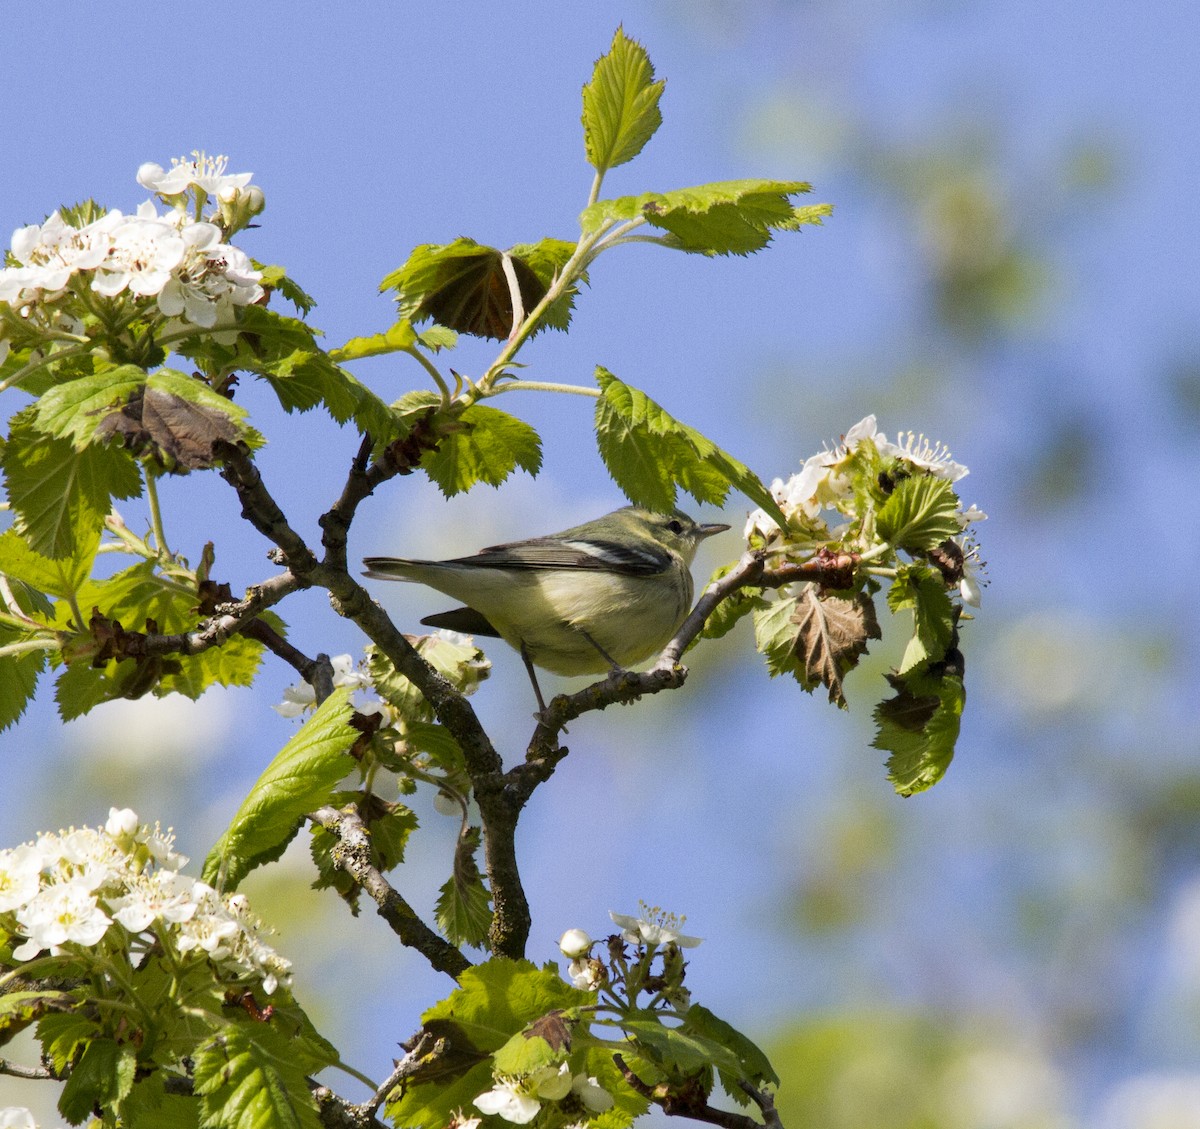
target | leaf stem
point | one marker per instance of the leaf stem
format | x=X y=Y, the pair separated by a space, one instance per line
x=32 y=367
x=431 y=368
x=543 y=386
x=156 y=522
x=28 y=645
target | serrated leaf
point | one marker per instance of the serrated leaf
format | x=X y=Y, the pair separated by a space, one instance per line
x=18 y=676
x=102 y=1077
x=678 y=1050
x=74 y=409
x=63 y=1034
x=399 y=337
x=133 y=597
x=60 y=495
x=545 y=1042
x=494 y=1001
x=276 y=278
x=284 y=352
x=61 y=577
x=248 y=1079
x=917 y=588
x=649 y=453
x=463 y=911
x=919 y=514
x=299 y=780
x=919 y=726
x=817 y=639
x=755 y=1067
x=620 y=104
x=487 y=447
x=462 y=286
x=732 y=217
x=19 y=1009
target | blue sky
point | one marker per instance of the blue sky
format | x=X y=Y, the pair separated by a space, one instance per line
x=373 y=127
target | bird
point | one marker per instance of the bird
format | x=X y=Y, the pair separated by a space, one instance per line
x=604 y=595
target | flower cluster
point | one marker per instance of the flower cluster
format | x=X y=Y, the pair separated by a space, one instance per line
x=121 y=885
x=519 y=1099
x=451 y=653
x=826 y=483
x=177 y=258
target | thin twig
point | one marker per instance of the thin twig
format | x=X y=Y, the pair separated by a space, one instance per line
x=353 y=855
x=16 y=1070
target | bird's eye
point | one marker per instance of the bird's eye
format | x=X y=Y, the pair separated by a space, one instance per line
x=675 y=526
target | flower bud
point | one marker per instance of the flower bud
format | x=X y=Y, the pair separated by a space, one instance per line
x=574 y=943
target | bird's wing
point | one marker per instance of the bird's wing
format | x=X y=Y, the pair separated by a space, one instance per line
x=645 y=559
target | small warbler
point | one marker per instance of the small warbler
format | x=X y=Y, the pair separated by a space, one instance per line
x=605 y=594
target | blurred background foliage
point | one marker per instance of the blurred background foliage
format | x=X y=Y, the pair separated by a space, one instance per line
x=1011 y=268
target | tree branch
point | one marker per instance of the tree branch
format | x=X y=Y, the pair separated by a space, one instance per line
x=498 y=808
x=353 y=855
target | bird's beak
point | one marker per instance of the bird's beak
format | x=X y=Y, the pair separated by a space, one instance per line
x=703 y=531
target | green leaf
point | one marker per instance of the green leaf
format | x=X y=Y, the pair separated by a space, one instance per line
x=920 y=513
x=247 y=1078
x=18 y=676
x=463 y=911
x=135 y=597
x=755 y=1067
x=101 y=1077
x=298 y=780
x=920 y=725
x=463 y=286
x=63 y=1035
x=545 y=1042
x=284 y=352
x=730 y=610
x=277 y=278
x=494 y=1001
x=61 y=577
x=678 y=1050
x=400 y=337
x=917 y=588
x=61 y=496
x=74 y=409
x=732 y=217
x=620 y=104
x=149 y=1106
x=488 y=446
x=649 y=452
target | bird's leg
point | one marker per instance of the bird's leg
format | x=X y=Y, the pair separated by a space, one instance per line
x=603 y=653
x=537 y=690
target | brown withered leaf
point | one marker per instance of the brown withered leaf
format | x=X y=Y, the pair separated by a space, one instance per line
x=832 y=636
x=178 y=432
x=185 y=431
x=555 y=1027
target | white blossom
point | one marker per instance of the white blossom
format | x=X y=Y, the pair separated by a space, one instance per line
x=145 y=249
x=20 y=876
x=202 y=171
x=301 y=696
x=586 y=974
x=508 y=1100
x=16 y=1117
x=62 y=913
x=655 y=927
